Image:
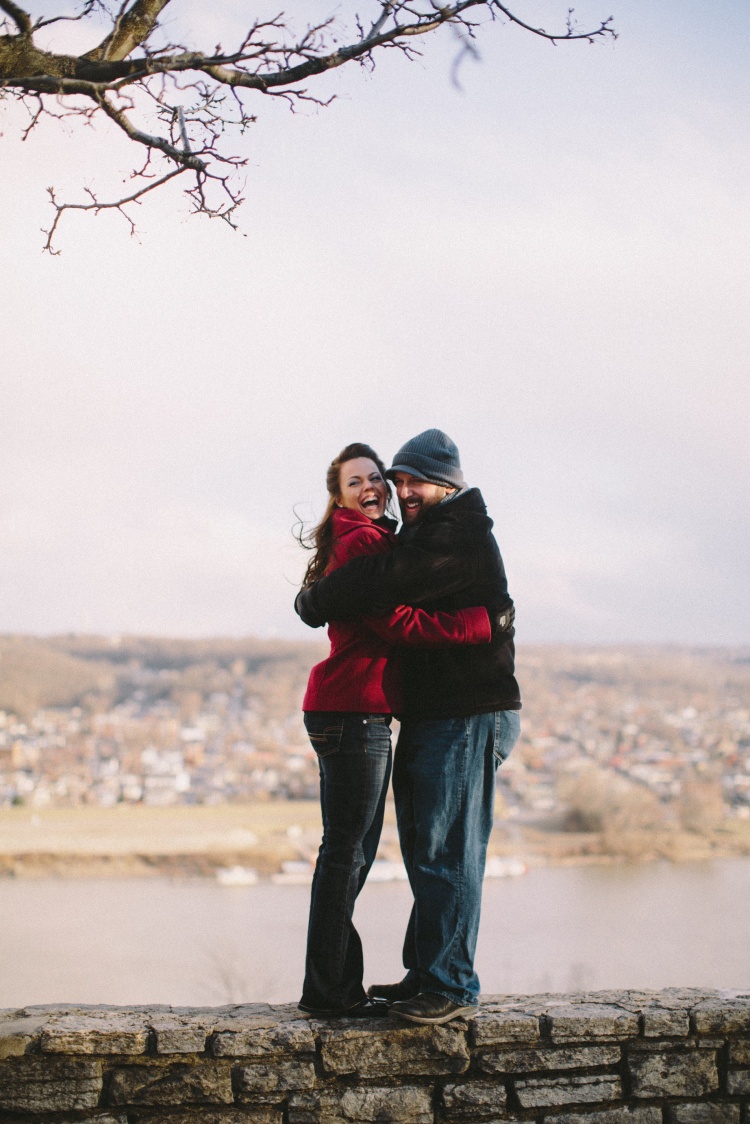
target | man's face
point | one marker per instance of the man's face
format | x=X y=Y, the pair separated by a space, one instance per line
x=415 y=495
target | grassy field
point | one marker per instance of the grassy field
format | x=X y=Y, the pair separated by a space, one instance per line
x=131 y=829
x=133 y=840
x=189 y=841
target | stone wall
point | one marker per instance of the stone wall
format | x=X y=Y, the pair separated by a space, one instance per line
x=669 y=1057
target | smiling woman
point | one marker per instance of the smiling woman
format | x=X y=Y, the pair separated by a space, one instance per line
x=363 y=487
x=357 y=472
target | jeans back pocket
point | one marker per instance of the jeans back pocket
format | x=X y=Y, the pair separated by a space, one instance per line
x=326 y=741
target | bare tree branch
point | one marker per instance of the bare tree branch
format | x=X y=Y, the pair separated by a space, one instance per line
x=131 y=29
x=21 y=19
x=89 y=6
x=186 y=158
x=96 y=206
x=183 y=106
x=571 y=32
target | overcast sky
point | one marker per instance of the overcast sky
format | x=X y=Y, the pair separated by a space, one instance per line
x=551 y=265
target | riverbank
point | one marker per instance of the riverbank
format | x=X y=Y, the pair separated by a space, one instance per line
x=140 y=841
x=185 y=841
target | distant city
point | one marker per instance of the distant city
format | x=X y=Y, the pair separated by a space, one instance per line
x=634 y=732
x=140 y=752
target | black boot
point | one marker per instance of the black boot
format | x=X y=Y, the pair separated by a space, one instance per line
x=393 y=992
x=366 y=1008
x=431 y=1009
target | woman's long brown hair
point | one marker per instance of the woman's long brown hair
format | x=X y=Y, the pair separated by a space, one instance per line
x=320 y=538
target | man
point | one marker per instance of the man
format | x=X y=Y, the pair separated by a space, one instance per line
x=459 y=720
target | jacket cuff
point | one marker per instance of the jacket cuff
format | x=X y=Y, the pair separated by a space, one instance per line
x=477 y=625
x=307 y=609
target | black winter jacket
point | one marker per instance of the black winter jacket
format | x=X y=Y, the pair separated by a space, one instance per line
x=448 y=560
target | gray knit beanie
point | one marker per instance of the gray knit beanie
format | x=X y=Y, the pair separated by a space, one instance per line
x=430 y=456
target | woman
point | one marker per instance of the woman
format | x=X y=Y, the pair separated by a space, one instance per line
x=348 y=705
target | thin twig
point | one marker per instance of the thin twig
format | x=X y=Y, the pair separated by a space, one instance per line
x=96 y=205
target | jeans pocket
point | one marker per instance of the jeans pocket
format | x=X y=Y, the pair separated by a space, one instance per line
x=326 y=741
x=507 y=732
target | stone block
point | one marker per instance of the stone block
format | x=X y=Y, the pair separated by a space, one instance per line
x=367 y=1105
x=722 y=1016
x=738 y=1082
x=739 y=1053
x=18 y=1035
x=259 y=1036
x=95 y=1034
x=634 y=999
x=611 y=1116
x=100 y=1118
x=387 y=1050
x=685 y=997
x=399 y=1106
x=667 y=1046
x=275 y=1077
x=548 y=1058
x=35 y=1084
x=410 y=1106
x=476 y=1100
x=692 y=1074
x=576 y=1022
x=180 y=1034
x=705 y=1113
x=207 y=1083
x=489 y=1028
x=658 y=1022
x=545 y=1092
x=258 y=1114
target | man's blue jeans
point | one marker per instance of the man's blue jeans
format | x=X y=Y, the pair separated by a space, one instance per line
x=444 y=785
x=354 y=754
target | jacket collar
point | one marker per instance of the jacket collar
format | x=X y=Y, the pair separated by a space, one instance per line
x=469 y=501
x=347 y=519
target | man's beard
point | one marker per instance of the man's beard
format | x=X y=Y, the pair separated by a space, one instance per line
x=414 y=514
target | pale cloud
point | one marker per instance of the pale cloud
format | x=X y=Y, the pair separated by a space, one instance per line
x=182 y=570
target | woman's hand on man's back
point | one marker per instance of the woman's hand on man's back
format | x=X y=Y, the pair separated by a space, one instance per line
x=306 y=609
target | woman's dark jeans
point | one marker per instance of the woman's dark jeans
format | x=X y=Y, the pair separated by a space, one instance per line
x=354 y=755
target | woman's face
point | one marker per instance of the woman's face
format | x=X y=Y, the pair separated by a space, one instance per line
x=362 y=487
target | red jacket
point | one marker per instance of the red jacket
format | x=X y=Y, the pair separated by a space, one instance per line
x=362 y=673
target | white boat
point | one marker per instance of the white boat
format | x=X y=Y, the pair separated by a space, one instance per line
x=236 y=876
x=504 y=868
x=294 y=872
x=384 y=871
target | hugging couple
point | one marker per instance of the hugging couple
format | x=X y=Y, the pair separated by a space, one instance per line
x=421 y=627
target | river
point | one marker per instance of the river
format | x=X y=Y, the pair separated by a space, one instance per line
x=194 y=942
